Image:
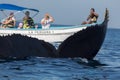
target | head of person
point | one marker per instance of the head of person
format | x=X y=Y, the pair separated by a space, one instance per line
x=27 y=13
x=92 y=10
x=20 y=25
x=11 y=14
x=47 y=16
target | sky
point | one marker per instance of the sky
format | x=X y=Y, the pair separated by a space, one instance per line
x=72 y=12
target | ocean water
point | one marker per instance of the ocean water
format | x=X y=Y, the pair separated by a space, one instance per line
x=105 y=67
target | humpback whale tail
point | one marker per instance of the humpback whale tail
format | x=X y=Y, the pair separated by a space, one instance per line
x=85 y=44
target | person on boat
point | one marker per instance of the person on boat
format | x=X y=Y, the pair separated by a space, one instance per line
x=27 y=21
x=9 y=22
x=92 y=18
x=20 y=25
x=46 y=21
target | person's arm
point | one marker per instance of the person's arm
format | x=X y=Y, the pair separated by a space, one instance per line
x=96 y=14
x=43 y=22
x=51 y=18
x=6 y=21
x=14 y=21
x=88 y=17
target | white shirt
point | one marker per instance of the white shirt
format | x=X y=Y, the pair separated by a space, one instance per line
x=46 y=23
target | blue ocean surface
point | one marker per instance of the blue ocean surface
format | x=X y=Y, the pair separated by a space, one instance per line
x=106 y=65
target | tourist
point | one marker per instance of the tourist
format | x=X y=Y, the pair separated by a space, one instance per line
x=46 y=21
x=27 y=21
x=9 y=22
x=20 y=25
x=92 y=18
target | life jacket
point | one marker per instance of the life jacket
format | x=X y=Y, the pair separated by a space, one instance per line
x=93 y=18
x=28 y=23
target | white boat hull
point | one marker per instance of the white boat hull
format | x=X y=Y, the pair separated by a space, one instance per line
x=48 y=35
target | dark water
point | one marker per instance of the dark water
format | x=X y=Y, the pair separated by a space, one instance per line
x=106 y=66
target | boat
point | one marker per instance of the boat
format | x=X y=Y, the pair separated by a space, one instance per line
x=54 y=34
x=76 y=41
